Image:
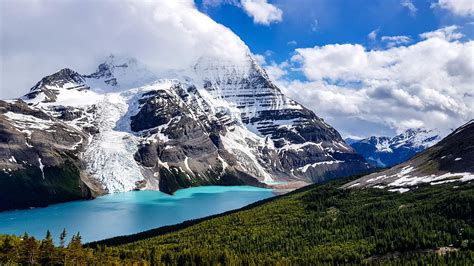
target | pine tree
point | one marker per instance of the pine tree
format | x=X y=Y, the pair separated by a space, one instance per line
x=47 y=250
x=62 y=238
x=62 y=243
x=29 y=250
x=75 y=250
x=9 y=251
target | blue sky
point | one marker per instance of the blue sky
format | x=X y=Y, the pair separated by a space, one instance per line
x=310 y=38
x=319 y=22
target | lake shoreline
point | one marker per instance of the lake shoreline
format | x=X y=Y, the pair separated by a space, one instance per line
x=129 y=212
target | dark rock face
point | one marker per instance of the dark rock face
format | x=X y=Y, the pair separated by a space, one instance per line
x=157 y=109
x=104 y=71
x=39 y=156
x=61 y=183
x=450 y=160
x=67 y=113
x=455 y=153
x=173 y=113
x=190 y=148
x=65 y=78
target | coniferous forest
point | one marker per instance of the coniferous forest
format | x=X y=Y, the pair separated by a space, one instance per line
x=319 y=224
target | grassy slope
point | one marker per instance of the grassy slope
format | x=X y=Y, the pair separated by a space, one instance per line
x=321 y=223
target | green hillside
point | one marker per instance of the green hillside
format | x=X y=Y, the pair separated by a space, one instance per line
x=317 y=224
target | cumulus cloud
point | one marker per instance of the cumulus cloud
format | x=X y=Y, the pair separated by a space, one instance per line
x=426 y=84
x=260 y=59
x=40 y=37
x=393 y=41
x=277 y=71
x=262 y=12
x=457 y=7
x=448 y=33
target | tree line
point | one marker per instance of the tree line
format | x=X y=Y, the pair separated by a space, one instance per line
x=318 y=225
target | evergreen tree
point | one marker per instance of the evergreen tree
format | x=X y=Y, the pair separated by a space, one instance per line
x=9 y=252
x=62 y=238
x=47 y=250
x=75 y=251
x=62 y=243
x=29 y=250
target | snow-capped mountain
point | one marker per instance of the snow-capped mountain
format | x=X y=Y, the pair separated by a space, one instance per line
x=389 y=151
x=121 y=128
x=450 y=160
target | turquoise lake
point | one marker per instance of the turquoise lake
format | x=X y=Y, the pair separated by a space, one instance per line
x=128 y=212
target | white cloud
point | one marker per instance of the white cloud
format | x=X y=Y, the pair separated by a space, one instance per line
x=214 y=3
x=315 y=25
x=393 y=41
x=410 y=6
x=260 y=59
x=292 y=42
x=40 y=37
x=429 y=83
x=448 y=33
x=457 y=7
x=332 y=61
x=373 y=35
x=277 y=71
x=262 y=11
x=268 y=53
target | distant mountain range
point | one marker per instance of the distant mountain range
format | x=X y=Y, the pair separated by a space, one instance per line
x=389 y=151
x=121 y=128
x=450 y=160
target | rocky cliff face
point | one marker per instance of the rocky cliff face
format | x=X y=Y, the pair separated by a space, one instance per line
x=121 y=128
x=39 y=161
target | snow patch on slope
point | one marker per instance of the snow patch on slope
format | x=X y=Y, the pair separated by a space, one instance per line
x=243 y=144
x=306 y=167
x=405 y=179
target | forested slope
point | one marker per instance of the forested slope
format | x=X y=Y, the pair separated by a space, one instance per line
x=318 y=224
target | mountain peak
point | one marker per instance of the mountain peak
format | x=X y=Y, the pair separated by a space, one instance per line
x=59 y=79
x=120 y=72
x=48 y=86
x=113 y=61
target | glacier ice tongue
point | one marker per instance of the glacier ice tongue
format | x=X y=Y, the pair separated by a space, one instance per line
x=110 y=154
